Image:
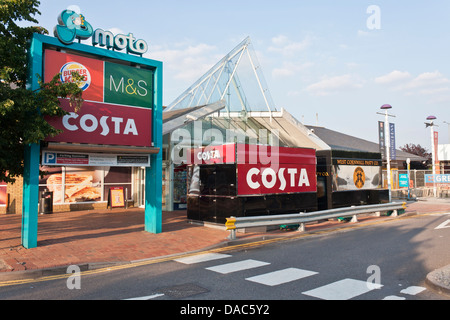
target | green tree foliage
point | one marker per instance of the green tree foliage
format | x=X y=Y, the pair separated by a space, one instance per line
x=22 y=111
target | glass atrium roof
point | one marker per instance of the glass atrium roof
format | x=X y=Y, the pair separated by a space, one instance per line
x=237 y=79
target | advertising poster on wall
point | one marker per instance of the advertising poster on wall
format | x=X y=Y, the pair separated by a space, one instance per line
x=354 y=174
x=84 y=184
x=3 y=193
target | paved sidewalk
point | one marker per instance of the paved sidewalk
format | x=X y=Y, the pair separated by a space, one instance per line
x=105 y=237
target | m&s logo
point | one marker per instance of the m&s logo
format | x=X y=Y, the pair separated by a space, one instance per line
x=129 y=86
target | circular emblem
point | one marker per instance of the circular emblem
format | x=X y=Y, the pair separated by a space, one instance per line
x=70 y=67
x=359 y=177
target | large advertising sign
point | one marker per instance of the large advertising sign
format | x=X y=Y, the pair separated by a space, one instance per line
x=356 y=174
x=277 y=170
x=118 y=101
x=264 y=169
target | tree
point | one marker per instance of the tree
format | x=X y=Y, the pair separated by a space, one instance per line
x=419 y=151
x=22 y=111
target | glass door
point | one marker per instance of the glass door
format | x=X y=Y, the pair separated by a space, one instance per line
x=139 y=185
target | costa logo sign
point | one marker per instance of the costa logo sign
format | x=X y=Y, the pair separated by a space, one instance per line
x=283 y=178
x=101 y=123
x=70 y=67
x=208 y=155
x=269 y=178
x=90 y=123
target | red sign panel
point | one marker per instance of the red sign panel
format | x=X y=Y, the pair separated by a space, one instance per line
x=284 y=178
x=214 y=154
x=100 y=123
x=126 y=118
x=92 y=71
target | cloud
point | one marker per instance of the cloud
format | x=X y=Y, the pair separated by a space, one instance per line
x=332 y=85
x=394 y=76
x=433 y=85
x=283 y=45
x=290 y=68
x=185 y=61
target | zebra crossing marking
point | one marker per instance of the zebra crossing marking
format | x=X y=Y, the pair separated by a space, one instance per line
x=281 y=276
x=237 y=266
x=342 y=290
x=202 y=258
x=413 y=290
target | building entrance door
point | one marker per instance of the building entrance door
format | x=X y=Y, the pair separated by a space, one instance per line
x=140 y=186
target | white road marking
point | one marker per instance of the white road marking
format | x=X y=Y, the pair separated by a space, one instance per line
x=202 y=258
x=237 y=266
x=281 y=276
x=394 y=298
x=147 y=297
x=445 y=224
x=342 y=290
x=413 y=290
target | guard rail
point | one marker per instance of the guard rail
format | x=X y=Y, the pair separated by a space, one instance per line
x=234 y=223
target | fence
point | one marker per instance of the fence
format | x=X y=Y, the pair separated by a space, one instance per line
x=418 y=186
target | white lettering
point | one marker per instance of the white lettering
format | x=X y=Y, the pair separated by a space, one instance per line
x=130 y=127
x=104 y=125
x=85 y=127
x=303 y=178
x=292 y=173
x=273 y=180
x=117 y=122
x=143 y=88
x=66 y=124
x=113 y=84
x=250 y=183
x=281 y=178
x=89 y=123
x=270 y=178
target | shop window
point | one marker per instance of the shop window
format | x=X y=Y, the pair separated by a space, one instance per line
x=84 y=184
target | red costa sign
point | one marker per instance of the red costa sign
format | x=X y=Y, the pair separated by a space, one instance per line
x=284 y=178
x=275 y=170
x=214 y=154
x=100 y=123
x=264 y=169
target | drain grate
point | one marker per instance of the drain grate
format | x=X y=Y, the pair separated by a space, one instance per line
x=182 y=290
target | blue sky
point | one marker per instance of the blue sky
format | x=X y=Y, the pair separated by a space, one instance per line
x=333 y=59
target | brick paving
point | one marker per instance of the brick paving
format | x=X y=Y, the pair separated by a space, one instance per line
x=110 y=236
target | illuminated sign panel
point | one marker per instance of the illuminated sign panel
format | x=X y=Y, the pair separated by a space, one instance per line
x=128 y=85
x=118 y=101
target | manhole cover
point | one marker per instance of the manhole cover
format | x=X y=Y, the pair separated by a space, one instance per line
x=182 y=290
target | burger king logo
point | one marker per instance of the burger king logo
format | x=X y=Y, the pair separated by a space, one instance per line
x=70 y=67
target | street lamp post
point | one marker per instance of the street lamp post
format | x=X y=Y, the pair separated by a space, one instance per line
x=433 y=155
x=387 y=143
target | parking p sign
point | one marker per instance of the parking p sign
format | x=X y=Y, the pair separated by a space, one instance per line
x=49 y=158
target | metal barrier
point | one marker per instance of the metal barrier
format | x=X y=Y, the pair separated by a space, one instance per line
x=234 y=223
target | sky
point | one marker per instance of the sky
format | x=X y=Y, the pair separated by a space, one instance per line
x=331 y=63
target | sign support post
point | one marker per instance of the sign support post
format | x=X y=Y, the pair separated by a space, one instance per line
x=153 y=174
x=30 y=201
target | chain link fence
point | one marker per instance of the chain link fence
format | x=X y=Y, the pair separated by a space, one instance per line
x=418 y=185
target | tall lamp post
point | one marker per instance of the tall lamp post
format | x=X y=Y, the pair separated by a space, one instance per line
x=433 y=155
x=387 y=143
